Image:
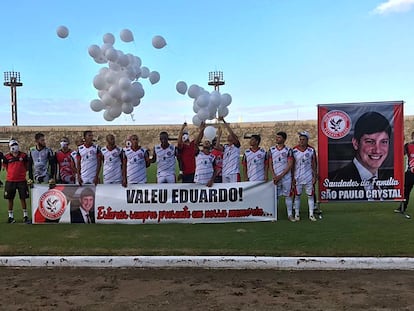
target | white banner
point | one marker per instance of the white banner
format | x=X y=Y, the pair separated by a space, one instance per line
x=186 y=203
x=156 y=203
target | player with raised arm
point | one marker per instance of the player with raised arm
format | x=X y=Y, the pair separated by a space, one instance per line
x=231 y=155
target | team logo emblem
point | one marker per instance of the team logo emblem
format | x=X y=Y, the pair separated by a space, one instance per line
x=52 y=204
x=336 y=124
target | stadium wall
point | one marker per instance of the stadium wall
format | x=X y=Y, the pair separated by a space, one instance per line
x=149 y=134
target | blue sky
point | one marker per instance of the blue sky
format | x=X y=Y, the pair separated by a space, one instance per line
x=280 y=58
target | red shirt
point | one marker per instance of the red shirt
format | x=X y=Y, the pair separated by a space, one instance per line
x=218 y=160
x=16 y=166
x=187 y=153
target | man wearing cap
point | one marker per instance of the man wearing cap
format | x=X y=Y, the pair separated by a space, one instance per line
x=371 y=140
x=65 y=168
x=42 y=165
x=16 y=165
x=187 y=151
x=305 y=174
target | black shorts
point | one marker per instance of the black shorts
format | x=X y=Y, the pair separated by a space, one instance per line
x=11 y=187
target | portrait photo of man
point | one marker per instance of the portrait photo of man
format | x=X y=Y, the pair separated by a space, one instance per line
x=371 y=146
x=85 y=213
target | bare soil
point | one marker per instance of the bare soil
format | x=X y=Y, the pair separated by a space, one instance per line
x=195 y=289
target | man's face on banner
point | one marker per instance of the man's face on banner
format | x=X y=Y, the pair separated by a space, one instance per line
x=372 y=150
x=87 y=203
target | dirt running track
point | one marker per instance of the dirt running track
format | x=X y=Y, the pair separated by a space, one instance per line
x=192 y=289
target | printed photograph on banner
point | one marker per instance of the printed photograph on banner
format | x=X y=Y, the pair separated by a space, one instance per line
x=360 y=147
x=63 y=204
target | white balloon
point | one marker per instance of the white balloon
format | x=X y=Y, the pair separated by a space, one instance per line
x=115 y=111
x=145 y=72
x=137 y=90
x=62 y=32
x=115 y=91
x=154 y=77
x=104 y=71
x=196 y=108
x=108 y=100
x=196 y=120
x=127 y=97
x=99 y=82
x=97 y=105
x=109 y=38
x=111 y=54
x=215 y=98
x=126 y=35
x=222 y=111
x=203 y=100
x=225 y=100
x=203 y=114
x=127 y=108
x=193 y=91
x=114 y=66
x=210 y=132
x=100 y=60
x=123 y=60
x=107 y=116
x=136 y=102
x=124 y=83
x=112 y=77
x=101 y=93
x=94 y=51
x=181 y=87
x=158 y=42
x=137 y=61
x=106 y=46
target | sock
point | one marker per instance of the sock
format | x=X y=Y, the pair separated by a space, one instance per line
x=289 y=205
x=25 y=213
x=311 y=203
x=11 y=214
x=297 y=205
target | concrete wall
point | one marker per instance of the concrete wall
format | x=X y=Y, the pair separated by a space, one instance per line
x=149 y=134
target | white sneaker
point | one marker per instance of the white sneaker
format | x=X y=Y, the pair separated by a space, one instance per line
x=291 y=218
x=312 y=218
x=297 y=218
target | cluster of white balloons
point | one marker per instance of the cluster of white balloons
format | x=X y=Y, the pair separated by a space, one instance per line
x=119 y=90
x=206 y=105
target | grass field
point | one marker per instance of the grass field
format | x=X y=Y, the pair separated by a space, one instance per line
x=363 y=229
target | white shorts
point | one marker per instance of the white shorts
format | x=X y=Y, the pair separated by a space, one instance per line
x=308 y=189
x=284 y=187
x=169 y=179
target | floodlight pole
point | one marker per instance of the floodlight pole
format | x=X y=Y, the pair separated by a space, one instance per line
x=12 y=80
x=215 y=78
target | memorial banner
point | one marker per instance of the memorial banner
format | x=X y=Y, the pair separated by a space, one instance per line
x=155 y=203
x=361 y=155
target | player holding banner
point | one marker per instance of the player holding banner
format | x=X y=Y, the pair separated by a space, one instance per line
x=304 y=174
x=281 y=164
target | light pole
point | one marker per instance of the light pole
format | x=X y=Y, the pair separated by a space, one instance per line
x=216 y=78
x=12 y=80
